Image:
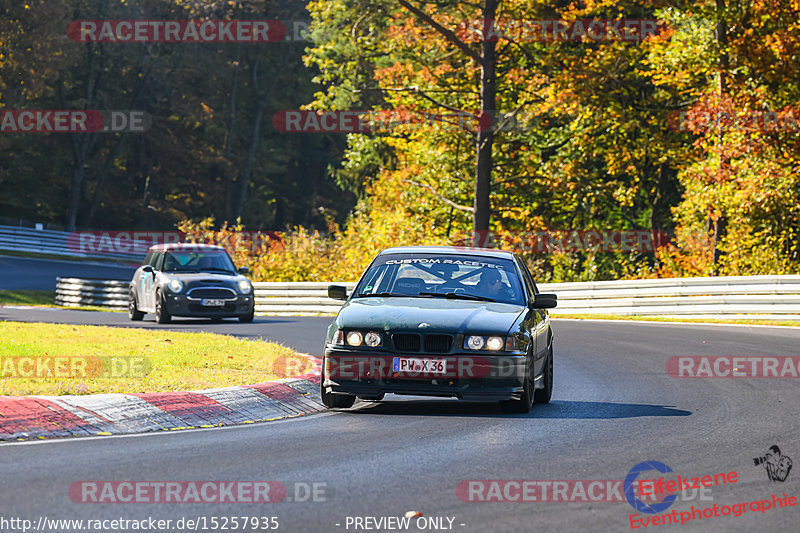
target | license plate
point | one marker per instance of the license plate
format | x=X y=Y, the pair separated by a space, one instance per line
x=208 y=302
x=423 y=366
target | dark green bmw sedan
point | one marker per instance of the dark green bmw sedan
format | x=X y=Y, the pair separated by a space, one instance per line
x=455 y=322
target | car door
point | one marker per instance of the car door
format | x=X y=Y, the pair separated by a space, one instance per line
x=539 y=320
x=148 y=283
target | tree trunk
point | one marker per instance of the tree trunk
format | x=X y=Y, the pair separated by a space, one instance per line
x=244 y=178
x=229 y=184
x=247 y=171
x=485 y=142
x=723 y=64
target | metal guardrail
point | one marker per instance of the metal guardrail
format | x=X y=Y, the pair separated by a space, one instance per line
x=76 y=292
x=774 y=297
x=65 y=243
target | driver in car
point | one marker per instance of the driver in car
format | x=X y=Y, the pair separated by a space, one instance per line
x=491 y=285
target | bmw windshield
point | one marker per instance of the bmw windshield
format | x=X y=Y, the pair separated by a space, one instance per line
x=442 y=275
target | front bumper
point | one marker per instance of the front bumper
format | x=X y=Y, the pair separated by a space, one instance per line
x=181 y=305
x=471 y=377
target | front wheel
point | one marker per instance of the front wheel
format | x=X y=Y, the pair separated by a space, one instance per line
x=162 y=315
x=331 y=400
x=544 y=395
x=133 y=310
x=525 y=403
x=377 y=398
x=248 y=317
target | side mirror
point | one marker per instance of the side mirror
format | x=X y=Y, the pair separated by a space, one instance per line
x=337 y=292
x=544 y=301
x=243 y=270
x=148 y=269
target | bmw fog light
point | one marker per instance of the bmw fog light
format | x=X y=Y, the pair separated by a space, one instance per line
x=175 y=285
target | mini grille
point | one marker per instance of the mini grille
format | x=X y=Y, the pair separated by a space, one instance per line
x=406 y=342
x=438 y=343
x=211 y=293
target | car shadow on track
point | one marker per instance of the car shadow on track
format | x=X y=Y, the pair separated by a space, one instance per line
x=558 y=409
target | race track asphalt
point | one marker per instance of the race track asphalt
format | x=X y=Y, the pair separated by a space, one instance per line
x=24 y=273
x=613 y=407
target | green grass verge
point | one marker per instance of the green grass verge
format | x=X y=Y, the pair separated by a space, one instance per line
x=55 y=359
x=755 y=322
x=27 y=297
x=43 y=299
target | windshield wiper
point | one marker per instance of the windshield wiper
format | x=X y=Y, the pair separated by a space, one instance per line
x=212 y=269
x=389 y=294
x=458 y=296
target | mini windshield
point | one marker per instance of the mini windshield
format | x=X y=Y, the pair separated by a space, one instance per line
x=442 y=275
x=195 y=261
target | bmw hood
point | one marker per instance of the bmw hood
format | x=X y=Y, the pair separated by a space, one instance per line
x=406 y=314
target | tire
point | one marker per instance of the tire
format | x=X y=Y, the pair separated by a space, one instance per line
x=525 y=403
x=334 y=401
x=248 y=317
x=544 y=395
x=377 y=398
x=133 y=311
x=162 y=315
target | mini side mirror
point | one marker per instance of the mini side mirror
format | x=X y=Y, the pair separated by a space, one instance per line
x=544 y=301
x=148 y=269
x=243 y=270
x=337 y=292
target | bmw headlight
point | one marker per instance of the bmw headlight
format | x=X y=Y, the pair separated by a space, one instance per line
x=475 y=342
x=175 y=285
x=479 y=342
x=495 y=343
x=245 y=286
x=373 y=339
x=354 y=338
x=338 y=338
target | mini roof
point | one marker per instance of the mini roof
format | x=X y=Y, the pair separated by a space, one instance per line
x=186 y=246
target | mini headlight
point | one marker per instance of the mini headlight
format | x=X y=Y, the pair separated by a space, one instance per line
x=494 y=343
x=372 y=339
x=245 y=286
x=338 y=338
x=475 y=342
x=175 y=285
x=354 y=338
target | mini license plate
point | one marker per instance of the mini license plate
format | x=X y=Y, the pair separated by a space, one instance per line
x=208 y=302
x=424 y=366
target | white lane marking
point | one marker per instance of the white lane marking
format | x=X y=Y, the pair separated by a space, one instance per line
x=665 y=323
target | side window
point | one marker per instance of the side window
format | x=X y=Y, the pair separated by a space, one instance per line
x=531 y=286
x=149 y=259
x=158 y=260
